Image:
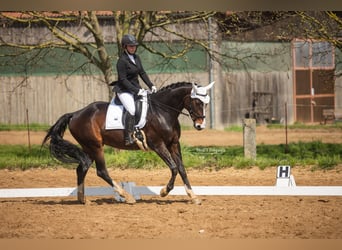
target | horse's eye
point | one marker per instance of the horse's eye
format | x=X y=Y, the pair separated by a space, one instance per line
x=198 y=102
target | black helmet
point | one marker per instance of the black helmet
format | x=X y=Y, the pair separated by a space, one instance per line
x=129 y=40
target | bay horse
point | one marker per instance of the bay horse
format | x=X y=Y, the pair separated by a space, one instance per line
x=162 y=131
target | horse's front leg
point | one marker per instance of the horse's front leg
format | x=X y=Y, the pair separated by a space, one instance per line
x=177 y=157
x=173 y=158
x=164 y=153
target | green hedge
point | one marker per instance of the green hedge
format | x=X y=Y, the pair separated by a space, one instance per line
x=316 y=154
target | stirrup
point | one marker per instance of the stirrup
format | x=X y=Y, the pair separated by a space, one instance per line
x=129 y=140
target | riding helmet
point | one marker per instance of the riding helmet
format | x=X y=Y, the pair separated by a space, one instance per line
x=129 y=40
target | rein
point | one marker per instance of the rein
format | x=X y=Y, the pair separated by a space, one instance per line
x=165 y=106
x=192 y=114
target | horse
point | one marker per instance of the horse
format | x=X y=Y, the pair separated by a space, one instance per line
x=162 y=132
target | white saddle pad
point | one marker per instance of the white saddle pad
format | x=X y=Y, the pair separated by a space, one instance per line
x=114 y=115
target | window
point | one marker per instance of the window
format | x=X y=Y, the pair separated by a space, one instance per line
x=302 y=54
x=313 y=54
x=314 y=66
x=322 y=55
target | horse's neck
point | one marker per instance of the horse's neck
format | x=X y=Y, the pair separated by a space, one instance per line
x=169 y=104
x=175 y=99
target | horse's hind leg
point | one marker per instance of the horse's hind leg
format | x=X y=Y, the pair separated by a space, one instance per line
x=102 y=172
x=81 y=173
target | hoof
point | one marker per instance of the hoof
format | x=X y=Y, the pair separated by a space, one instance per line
x=82 y=201
x=163 y=192
x=130 y=200
x=196 y=201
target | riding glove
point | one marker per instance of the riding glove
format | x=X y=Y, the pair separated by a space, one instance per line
x=142 y=92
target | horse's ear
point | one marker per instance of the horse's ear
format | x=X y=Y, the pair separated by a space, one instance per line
x=210 y=85
x=194 y=88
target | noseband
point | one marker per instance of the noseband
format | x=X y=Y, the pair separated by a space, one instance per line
x=193 y=115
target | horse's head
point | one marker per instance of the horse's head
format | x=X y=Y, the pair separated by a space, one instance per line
x=198 y=102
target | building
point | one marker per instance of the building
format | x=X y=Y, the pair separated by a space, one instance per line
x=260 y=72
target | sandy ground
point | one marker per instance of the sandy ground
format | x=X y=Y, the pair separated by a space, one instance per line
x=174 y=217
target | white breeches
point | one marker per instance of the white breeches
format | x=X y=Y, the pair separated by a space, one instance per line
x=127 y=101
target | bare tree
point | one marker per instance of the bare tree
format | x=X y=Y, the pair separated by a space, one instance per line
x=326 y=25
x=142 y=24
x=150 y=26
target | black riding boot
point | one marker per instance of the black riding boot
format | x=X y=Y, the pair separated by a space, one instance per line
x=129 y=128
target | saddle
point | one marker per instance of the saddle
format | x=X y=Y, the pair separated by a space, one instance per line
x=116 y=113
x=138 y=109
x=115 y=118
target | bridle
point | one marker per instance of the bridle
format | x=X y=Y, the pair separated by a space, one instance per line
x=193 y=115
x=197 y=92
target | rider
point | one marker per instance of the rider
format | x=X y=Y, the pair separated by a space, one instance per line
x=129 y=67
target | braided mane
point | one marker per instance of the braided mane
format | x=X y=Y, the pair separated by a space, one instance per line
x=175 y=85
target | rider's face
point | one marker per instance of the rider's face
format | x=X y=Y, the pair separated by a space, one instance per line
x=131 y=49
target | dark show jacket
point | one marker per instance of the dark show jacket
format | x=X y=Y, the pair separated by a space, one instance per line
x=128 y=73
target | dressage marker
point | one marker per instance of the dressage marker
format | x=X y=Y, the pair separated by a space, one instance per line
x=285 y=185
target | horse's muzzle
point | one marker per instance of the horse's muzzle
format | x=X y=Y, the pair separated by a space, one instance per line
x=199 y=123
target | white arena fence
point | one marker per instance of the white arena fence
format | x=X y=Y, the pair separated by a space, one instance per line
x=285 y=186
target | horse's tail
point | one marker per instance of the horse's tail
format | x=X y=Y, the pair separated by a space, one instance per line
x=61 y=149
